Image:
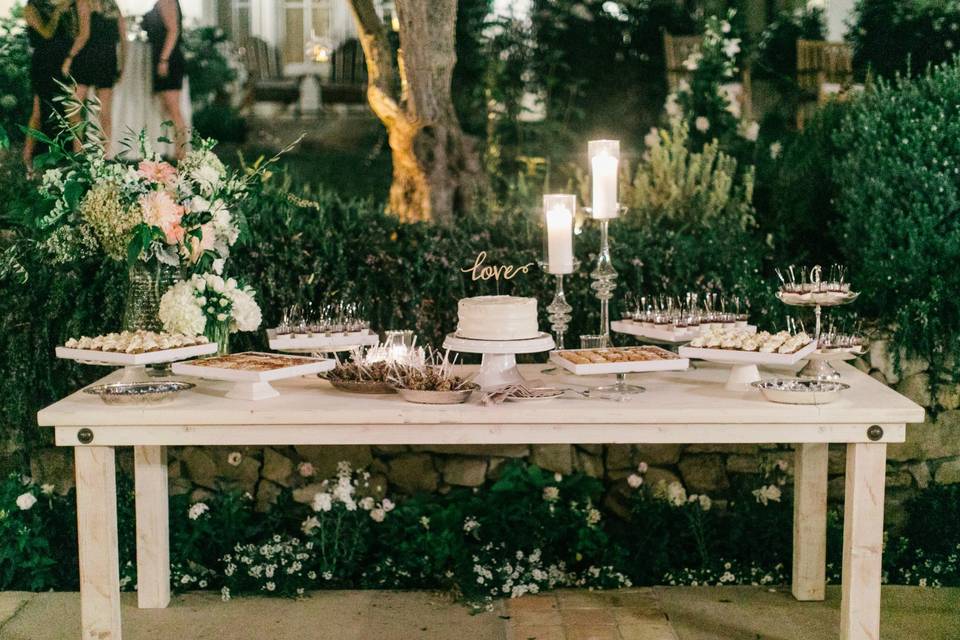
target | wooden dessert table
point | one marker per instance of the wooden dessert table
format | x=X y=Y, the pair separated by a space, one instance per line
x=678 y=407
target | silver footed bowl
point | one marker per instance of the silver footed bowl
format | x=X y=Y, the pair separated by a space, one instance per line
x=418 y=396
x=139 y=393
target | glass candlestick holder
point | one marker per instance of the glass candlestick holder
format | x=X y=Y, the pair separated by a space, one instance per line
x=604 y=278
x=558 y=312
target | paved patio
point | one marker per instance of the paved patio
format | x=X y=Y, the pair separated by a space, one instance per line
x=675 y=613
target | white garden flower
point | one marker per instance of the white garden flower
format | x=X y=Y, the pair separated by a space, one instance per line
x=322 y=501
x=234 y=458
x=470 y=524
x=702 y=124
x=387 y=505
x=692 y=63
x=367 y=503
x=642 y=467
x=179 y=311
x=305 y=469
x=751 y=131
x=769 y=493
x=676 y=494
x=593 y=516
x=551 y=494
x=705 y=502
x=672 y=106
x=197 y=510
x=634 y=481
x=731 y=47
x=775 y=150
x=309 y=525
x=47 y=489
x=425 y=522
x=26 y=501
x=378 y=515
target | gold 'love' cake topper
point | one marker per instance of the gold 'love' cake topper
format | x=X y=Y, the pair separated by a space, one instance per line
x=480 y=271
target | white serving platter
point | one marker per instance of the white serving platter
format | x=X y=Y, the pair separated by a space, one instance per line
x=114 y=358
x=745 y=371
x=318 y=343
x=594 y=369
x=821 y=298
x=668 y=336
x=255 y=385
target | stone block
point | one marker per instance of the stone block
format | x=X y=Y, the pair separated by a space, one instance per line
x=553 y=457
x=495 y=467
x=499 y=450
x=589 y=464
x=704 y=473
x=619 y=456
x=325 y=458
x=179 y=486
x=277 y=467
x=742 y=449
x=592 y=449
x=657 y=454
x=743 y=464
x=267 y=494
x=389 y=449
x=413 y=472
x=305 y=494
x=200 y=466
x=244 y=475
x=898 y=478
x=948 y=472
x=948 y=396
x=465 y=472
x=917 y=388
x=929 y=440
x=53 y=465
x=882 y=358
x=921 y=474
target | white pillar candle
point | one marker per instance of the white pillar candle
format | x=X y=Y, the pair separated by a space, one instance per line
x=558 y=211
x=604 y=163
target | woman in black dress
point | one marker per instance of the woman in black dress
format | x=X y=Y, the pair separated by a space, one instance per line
x=97 y=67
x=164 y=27
x=50 y=26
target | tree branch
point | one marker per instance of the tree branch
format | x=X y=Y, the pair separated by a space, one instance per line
x=381 y=78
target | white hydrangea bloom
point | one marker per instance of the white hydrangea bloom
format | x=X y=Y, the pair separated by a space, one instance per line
x=26 y=501
x=180 y=311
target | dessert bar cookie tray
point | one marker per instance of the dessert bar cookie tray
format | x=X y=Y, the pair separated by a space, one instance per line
x=733 y=356
x=661 y=360
x=136 y=359
x=253 y=367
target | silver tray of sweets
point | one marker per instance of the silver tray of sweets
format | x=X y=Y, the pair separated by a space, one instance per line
x=800 y=390
x=139 y=393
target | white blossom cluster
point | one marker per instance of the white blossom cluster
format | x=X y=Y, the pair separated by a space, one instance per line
x=343 y=491
x=279 y=565
x=728 y=573
x=188 y=306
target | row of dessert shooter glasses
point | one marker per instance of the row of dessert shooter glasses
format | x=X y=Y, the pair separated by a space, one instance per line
x=326 y=319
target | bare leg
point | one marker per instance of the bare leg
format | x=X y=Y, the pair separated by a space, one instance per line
x=171 y=103
x=106 y=117
x=29 y=145
x=81 y=94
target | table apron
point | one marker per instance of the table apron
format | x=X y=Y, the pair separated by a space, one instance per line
x=476 y=434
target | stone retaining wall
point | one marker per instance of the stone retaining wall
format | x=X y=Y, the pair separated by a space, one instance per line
x=931 y=454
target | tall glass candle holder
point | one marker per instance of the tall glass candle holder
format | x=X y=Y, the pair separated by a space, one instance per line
x=558 y=210
x=604 y=158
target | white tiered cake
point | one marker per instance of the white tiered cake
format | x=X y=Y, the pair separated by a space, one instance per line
x=498 y=318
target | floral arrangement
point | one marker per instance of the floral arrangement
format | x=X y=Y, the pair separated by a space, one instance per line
x=711 y=101
x=209 y=305
x=151 y=212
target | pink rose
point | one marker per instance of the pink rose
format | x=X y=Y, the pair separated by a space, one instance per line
x=159 y=172
x=160 y=210
x=204 y=243
x=305 y=469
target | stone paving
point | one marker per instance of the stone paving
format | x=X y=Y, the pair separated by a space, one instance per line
x=662 y=613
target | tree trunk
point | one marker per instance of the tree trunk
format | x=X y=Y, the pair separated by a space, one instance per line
x=436 y=167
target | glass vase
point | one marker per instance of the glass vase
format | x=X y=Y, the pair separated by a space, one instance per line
x=146 y=284
x=219 y=332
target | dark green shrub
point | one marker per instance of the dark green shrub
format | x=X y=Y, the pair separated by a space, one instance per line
x=776 y=52
x=16 y=96
x=899 y=203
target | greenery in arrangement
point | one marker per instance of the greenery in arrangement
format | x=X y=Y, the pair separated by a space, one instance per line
x=525 y=532
x=898 y=188
x=892 y=37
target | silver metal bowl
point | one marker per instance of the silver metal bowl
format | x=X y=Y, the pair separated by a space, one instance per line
x=360 y=386
x=800 y=390
x=143 y=393
x=437 y=397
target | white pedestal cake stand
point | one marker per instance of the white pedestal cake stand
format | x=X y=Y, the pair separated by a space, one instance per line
x=133 y=365
x=499 y=364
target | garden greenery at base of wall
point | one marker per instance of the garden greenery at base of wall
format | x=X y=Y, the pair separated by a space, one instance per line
x=526 y=532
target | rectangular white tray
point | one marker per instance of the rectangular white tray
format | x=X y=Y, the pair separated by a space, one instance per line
x=310 y=365
x=671 y=336
x=136 y=359
x=292 y=343
x=732 y=356
x=669 y=364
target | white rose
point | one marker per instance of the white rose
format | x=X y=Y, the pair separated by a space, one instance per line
x=634 y=481
x=26 y=501
x=752 y=131
x=322 y=502
x=702 y=124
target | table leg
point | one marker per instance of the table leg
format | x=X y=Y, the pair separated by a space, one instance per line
x=863 y=541
x=810 y=521
x=97 y=535
x=153 y=535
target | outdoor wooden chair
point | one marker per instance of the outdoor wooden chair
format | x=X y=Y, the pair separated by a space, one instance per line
x=265 y=70
x=824 y=72
x=348 y=75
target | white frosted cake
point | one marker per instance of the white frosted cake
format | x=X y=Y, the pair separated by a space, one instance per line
x=498 y=318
